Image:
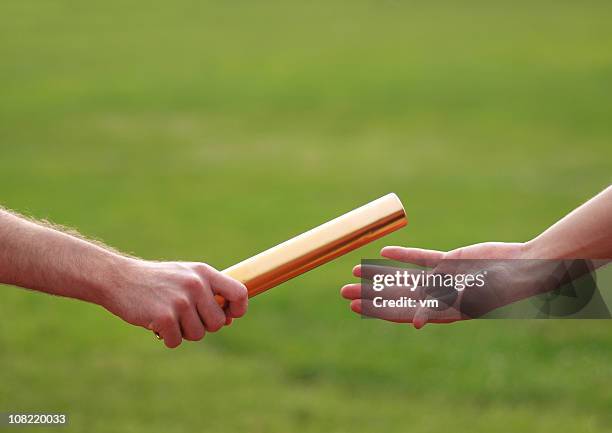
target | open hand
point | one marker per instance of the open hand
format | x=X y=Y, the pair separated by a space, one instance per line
x=504 y=285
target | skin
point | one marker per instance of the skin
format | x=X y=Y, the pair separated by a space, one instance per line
x=585 y=233
x=173 y=299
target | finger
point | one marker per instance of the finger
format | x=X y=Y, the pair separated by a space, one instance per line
x=365 y=291
x=192 y=327
x=238 y=308
x=234 y=292
x=420 y=318
x=168 y=329
x=417 y=316
x=228 y=287
x=417 y=256
x=211 y=314
x=360 y=306
x=351 y=291
x=359 y=271
x=425 y=315
x=369 y=271
x=228 y=316
x=398 y=315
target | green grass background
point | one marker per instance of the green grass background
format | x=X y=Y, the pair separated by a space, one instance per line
x=203 y=130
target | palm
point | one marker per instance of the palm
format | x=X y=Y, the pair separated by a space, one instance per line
x=466 y=260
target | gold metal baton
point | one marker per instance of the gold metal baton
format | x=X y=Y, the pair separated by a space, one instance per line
x=319 y=245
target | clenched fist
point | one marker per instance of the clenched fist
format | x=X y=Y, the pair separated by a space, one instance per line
x=176 y=299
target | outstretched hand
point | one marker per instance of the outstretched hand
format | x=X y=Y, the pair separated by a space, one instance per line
x=503 y=288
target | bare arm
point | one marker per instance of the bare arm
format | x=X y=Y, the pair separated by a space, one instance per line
x=172 y=298
x=585 y=232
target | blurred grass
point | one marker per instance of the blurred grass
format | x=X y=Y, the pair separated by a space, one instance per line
x=210 y=131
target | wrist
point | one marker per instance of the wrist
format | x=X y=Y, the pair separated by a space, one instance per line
x=117 y=274
x=535 y=271
x=534 y=249
x=547 y=247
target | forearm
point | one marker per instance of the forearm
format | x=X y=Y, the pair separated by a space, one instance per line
x=41 y=258
x=586 y=232
x=174 y=299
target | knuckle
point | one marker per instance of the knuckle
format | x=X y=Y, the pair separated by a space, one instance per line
x=203 y=268
x=181 y=303
x=165 y=318
x=243 y=292
x=236 y=292
x=192 y=283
